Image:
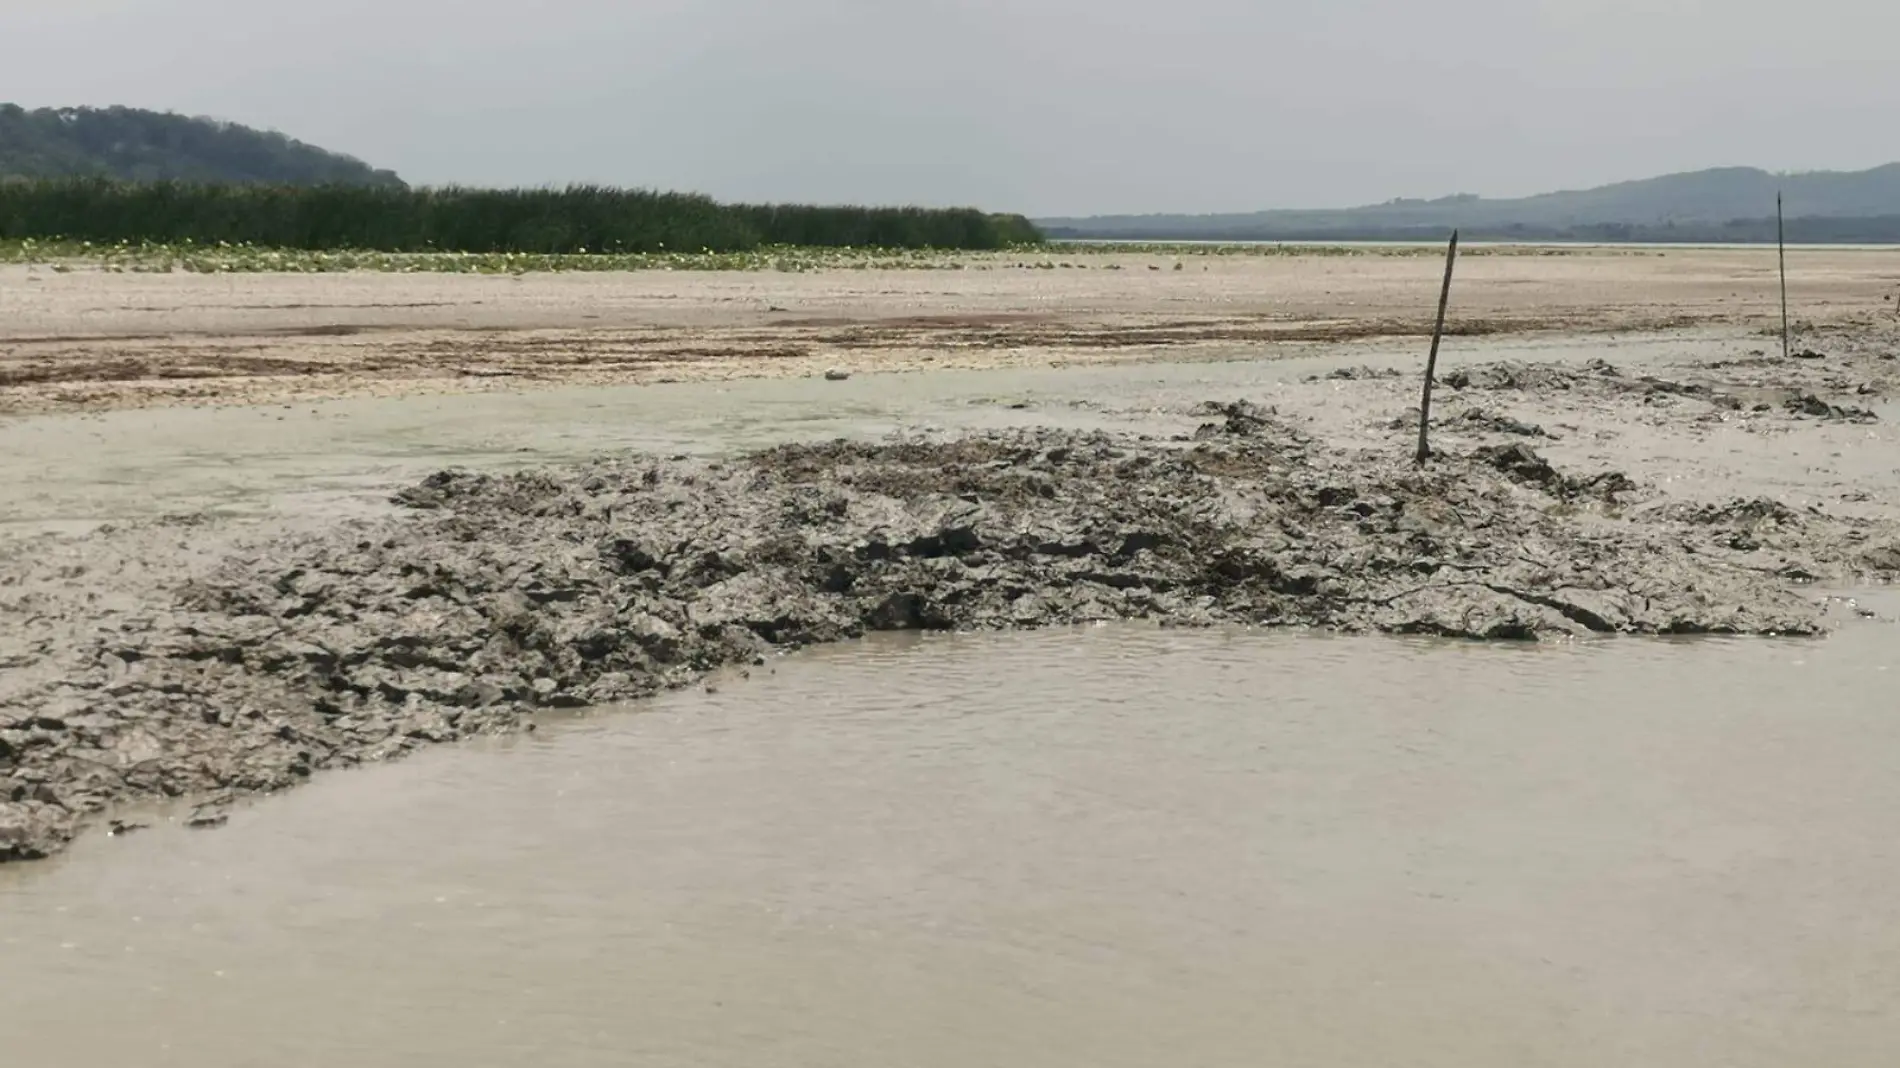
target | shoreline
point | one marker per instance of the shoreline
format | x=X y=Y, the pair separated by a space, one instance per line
x=89 y=341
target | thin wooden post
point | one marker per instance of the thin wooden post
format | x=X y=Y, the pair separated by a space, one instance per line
x=1781 y=252
x=1431 y=362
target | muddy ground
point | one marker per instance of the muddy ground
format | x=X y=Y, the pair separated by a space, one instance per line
x=86 y=341
x=193 y=660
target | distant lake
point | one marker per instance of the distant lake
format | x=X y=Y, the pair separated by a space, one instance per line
x=1660 y=245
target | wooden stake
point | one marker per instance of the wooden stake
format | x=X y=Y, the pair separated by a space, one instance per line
x=1781 y=251
x=1431 y=362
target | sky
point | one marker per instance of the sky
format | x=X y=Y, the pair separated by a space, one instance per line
x=1049 y=107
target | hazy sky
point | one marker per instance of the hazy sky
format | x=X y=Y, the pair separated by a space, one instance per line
x=1045 y=106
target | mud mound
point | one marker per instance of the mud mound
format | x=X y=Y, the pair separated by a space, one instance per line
x=493 y=596
x=1482 y=421
x=1882 y=560
x=1530 y=377
x=1469 y=421
x=1356 y=374
x=1740 y=512
x=1237 y=419
x=1596 y=377
x=1744 y=525
x=1522 y=464
x=1810 y=405
x=1600 y=379
x=1803 y=544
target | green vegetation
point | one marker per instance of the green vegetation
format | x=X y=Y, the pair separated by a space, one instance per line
x=836 y=227
x=156 y=258
x=573 y=221
x=149 y=146
x=1726 y=205
x=120 y=177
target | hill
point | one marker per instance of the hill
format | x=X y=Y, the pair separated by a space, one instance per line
x=1730 y=203
x=148 y=146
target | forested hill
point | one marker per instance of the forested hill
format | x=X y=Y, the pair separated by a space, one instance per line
x=134 y=145
x=1731 y=203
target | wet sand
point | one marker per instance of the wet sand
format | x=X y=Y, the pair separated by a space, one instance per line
x=85 y=340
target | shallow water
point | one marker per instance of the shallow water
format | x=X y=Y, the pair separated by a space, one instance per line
x=72 y=472
x=1119 y=846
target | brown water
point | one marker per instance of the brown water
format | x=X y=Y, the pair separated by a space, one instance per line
x=1118 y=846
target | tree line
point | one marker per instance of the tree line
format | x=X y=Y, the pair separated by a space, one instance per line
x=399 y=219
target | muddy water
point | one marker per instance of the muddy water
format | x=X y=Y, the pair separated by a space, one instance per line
x=1114 y=847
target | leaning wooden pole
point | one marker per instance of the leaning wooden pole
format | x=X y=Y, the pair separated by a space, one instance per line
x=1781 y=252
x=1431 y=362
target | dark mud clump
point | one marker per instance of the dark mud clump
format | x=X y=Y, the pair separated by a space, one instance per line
x=1482 y=421
x=1881 y=558
x=1743 y=525
x=1522 y=464
x=1531 y=377
x=1470 y=421
x=1740 y=512
x=1602 y=380
x=1597 y=377
x=1810 y=405
x=1355 y=374
x=1236 y=419
x=492 y=596
x=1802 y=544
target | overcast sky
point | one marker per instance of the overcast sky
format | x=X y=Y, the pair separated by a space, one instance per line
x=1044 y=106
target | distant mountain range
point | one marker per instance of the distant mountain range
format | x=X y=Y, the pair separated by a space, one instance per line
x=1724 y=204
x=134 y=145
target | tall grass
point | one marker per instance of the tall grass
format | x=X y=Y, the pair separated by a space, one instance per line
x=544 y=221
